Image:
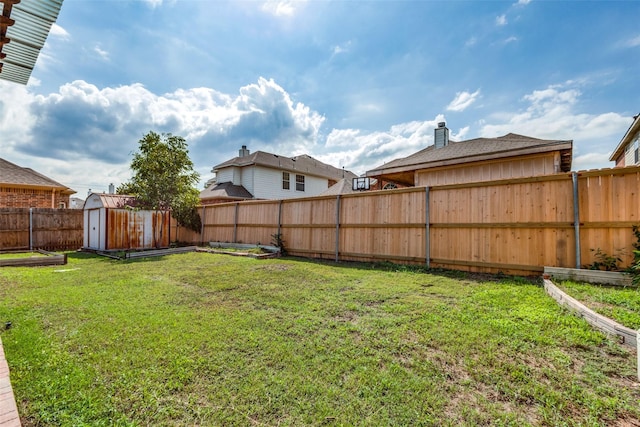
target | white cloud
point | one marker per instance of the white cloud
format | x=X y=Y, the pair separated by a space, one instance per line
x=510 y=40
x=281 y=7
x=471 y=42
x=501 y=20
x=95 y=130
x=524 y=2
x=591 y=161
x=59 y=32
x=360 y=152
x=463 y=100
x=101 y=53
x=634 y=42
x=343 y=48
x=551 y=114
x=153 y=3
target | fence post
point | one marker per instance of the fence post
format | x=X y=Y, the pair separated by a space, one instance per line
x=576 y=217
x=427 y=241
x=30 y=229
x=204 y=208
x=235 y=224
x=337 y=228
x=280 y=219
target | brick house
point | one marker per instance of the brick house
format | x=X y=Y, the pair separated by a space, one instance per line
x=25 y=188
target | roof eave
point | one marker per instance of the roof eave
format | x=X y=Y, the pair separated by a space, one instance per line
x=539 y=149
x=633 y=129
x=61 y=188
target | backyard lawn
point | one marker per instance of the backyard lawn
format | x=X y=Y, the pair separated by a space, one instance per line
x=209 y=339
x=621 y=304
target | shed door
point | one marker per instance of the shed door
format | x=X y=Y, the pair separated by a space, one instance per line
x=94 y=229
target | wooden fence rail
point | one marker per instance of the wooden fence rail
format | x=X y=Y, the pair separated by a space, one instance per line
x=37 y=228
x=515 y=226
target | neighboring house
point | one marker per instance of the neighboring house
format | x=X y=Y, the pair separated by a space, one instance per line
x=269 y=176
x=475 y=160
x=76 y=203
x=25 y=188
x=626 y=153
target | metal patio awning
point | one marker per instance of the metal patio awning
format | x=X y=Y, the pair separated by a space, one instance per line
x=24 y=27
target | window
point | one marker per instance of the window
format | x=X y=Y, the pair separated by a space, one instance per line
x=285 y=181
x=299 y=182
x=635 y=150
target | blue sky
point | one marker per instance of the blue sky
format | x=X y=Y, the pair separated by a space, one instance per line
x=352 y=83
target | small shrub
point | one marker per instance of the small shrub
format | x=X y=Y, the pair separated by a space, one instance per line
x=278 y=242
x=604 y=261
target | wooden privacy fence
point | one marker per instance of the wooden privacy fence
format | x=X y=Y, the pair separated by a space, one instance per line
x=516 y=226
x=36 y=228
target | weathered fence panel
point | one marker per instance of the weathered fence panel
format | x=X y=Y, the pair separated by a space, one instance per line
x=38 y=228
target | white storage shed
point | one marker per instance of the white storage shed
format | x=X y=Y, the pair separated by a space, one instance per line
x=111 y=223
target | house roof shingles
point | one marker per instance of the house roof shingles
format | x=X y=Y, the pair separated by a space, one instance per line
x=301 y=164
x=478 y=149
x=17 y=176
x=225 y=190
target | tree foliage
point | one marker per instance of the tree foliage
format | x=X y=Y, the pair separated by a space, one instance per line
x=164 y=179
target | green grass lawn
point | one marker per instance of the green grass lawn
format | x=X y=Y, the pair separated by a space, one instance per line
x=621 y=304
x=206 y=339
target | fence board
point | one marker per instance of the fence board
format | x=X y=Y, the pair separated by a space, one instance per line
x=52 y=229
x=515 y=225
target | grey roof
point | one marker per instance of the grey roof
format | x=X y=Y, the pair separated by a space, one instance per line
x=24 y=28
x=300 y=164
x=479 y=149
x=626 y=139
x=14 y=175
x=225 y=190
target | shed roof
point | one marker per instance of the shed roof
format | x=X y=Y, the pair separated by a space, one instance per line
x=626 y=139
x=478 y=149
x=24 y=27
x=300 y=164
x=109 y=201
x=17 y=176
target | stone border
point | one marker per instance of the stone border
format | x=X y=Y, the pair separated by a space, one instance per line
x=9 y=416
x=626 y=336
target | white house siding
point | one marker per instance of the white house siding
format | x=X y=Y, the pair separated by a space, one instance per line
x=247 y=179
x=630 y=151
x=231 y=174
x=268 y=184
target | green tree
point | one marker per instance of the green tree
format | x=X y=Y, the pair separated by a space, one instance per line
x=164 y=179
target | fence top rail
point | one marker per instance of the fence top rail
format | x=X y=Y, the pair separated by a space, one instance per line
x=611 y=171
x=565 y=176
